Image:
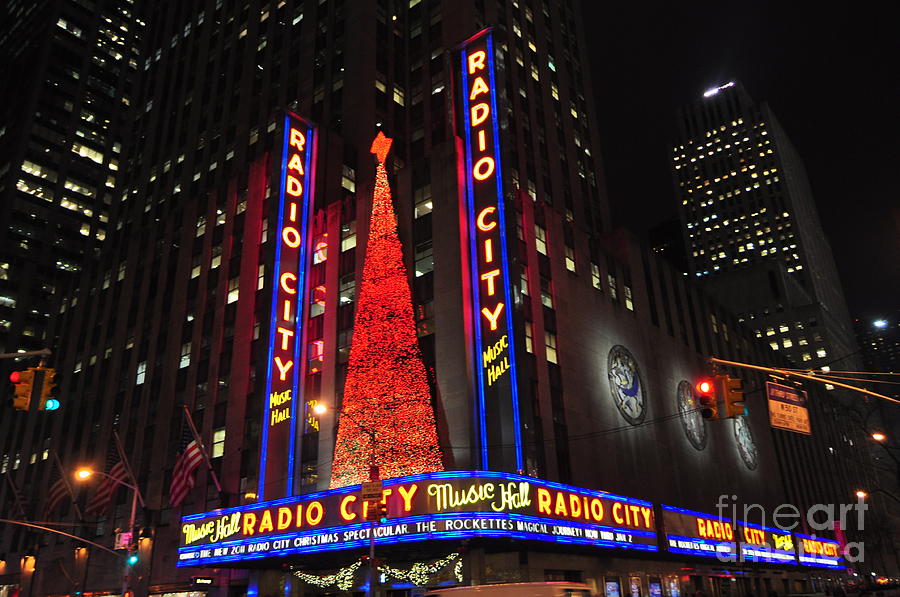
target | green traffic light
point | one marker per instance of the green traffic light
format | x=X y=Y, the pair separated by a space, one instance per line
x=132 y=559
x=51 y=404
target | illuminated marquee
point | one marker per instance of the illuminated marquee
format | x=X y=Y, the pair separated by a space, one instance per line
x=698 y=534
x=494 y=349
x=295 y=200
x=445 y=505
x=815 y=551
x=765 y=544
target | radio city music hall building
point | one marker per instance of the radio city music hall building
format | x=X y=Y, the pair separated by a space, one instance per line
x=556 y=357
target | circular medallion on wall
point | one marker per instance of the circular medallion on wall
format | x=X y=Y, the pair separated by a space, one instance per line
x=746 y=446
x=691 y=420
x=626 y=385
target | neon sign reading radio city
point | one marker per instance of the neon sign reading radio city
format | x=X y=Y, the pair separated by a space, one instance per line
x=295 y=200
x=493 y=345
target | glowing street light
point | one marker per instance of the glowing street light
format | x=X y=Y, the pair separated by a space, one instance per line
x=879 y=436
x=319 y=409
x=861 y=494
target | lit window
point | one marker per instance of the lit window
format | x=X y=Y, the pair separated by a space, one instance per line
x=629 y=303
x=422 y=198
x=787 y=342
x=540 y=239
x=529 y=337
x=348 y=179
x=806 y=356
x=570 y=258
x=715 y=323
x=611 y=281
x=317 y=303
x=821 y=353
x=218 y=443
x=141 y=373
x=550 y=344
x=201 y=225
x=424 y=258
x=523 y=281
x=347 y=289
x=233 y=291
x=316 y=355
x=546 y=293
x=774 y=345
x=595 y=277
x=348 y=235
x=320 y=248
x=185 y=356
x=783 y=328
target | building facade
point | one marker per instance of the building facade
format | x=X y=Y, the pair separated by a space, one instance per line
x=586 y=389
x=752 y=229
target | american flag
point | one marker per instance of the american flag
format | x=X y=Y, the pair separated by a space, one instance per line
x=100 y=501
x=58 y=492
x=187 y=462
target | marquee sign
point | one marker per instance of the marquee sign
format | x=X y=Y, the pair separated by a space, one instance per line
x=283 y=404
x=815 y=551
x=765 y=544
x=698 y=534
x=433 y=506
x=497 y=398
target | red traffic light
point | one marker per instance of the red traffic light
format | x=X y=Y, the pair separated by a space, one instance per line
x=704 y=386
x=706 y=399
x=14 y=377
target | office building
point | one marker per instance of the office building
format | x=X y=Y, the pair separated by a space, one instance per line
x=752 y=228
x=558 y=354
x=66 y=67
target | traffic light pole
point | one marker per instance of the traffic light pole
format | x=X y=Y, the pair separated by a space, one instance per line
x=806 y=376
x=44 y=352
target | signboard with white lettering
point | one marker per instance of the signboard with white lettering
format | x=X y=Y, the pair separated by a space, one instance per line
x=787 y=408
x=445 y=505
x=698 y=534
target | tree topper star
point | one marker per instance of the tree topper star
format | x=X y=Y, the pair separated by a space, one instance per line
x=381 y=146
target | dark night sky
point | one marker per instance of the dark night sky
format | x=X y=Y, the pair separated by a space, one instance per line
x=831 y=79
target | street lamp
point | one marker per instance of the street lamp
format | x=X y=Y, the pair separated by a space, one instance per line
x=84 y=474
x=861 y=494
x=878 y=436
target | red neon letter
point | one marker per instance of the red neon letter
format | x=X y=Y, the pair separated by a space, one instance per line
x=285 y=334
x=283 y=368
x=284 y=286
x=479 y=113
x=476 y=61
x=312 y=519
x=284 y=518
x=478 y=87
x=265 y=523
x=407 y=495
x=488 y=250
x=296 y=164
x=543 y=500
x=293 y=186
x=479 y=221
x=489 y=276
x=482 y=145
x=291 y=237
x=492 y=316
x=297 y=139
x=483 y=168
x=286 y=314
x=249 y=523
x=345 y=513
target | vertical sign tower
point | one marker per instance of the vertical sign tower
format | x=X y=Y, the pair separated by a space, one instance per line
x=281 y=417
x=497 y=417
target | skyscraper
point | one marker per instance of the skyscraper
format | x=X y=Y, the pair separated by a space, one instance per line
x=752 y=228
x=556 y=353
x=66 y=69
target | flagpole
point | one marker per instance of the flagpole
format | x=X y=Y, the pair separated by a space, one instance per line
x=197 y=439
x=128 y=468
x=65 y=478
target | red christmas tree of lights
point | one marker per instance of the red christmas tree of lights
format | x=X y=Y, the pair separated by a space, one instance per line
x=387 y=419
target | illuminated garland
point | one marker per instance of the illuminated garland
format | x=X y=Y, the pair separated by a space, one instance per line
x=343 y=578
x=417 y=574
x=386 y=395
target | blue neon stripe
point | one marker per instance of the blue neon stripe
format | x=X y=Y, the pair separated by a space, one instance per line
x=504 y=258
x=481 y=420
x=274 y=318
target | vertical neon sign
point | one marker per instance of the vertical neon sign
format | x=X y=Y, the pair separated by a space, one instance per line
x=283 y=402
x=494 y=349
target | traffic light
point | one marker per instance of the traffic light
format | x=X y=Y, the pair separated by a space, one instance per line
x=132 y=559
x=734 y=397
x=47 y=401
x=707 y=397
x=24 y=387
x=382 y=512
